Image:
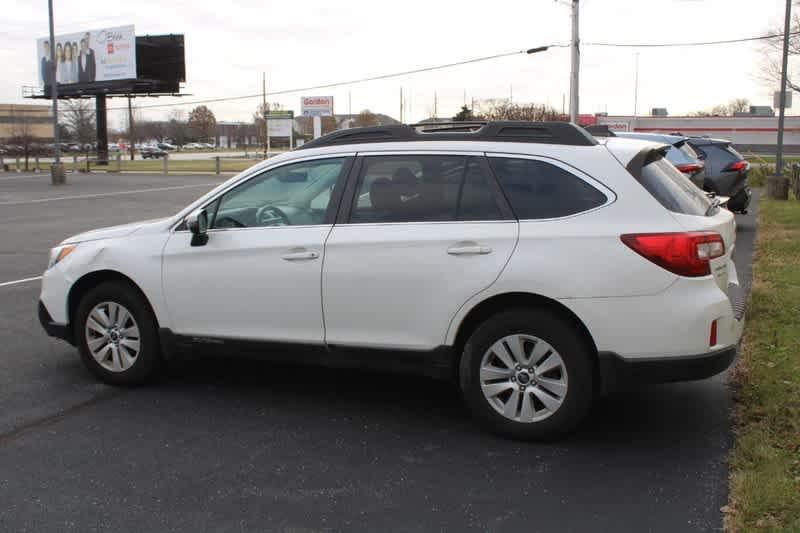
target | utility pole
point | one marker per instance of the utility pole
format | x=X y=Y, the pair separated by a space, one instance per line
x=131 y=128
x=510 y=94
x=636 y=88
x=350 y=104
x=575 y=57
x=782 y=110
x=435 y=105
x=264 y=110
x=401 y=105
x=57 y=175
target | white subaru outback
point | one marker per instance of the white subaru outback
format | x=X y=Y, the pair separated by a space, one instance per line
x=529 y=262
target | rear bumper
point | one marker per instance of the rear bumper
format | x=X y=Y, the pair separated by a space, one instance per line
x=741 y=200
x=618 y=371
x=59 y=331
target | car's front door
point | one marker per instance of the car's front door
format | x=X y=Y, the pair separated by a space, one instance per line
x=425 y=233
x=258 y=276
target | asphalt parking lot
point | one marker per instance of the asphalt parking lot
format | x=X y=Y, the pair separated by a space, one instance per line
x=233 y=445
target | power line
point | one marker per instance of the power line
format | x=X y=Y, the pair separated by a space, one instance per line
x=700 y=43
x=340 y=83
x=450 y=65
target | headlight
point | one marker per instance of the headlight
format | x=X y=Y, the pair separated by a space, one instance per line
x=58 y=253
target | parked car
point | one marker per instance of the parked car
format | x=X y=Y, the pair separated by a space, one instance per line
x=152 y=152
x=530 y=263
x=726 y=171
x=113 y=147
x=680 y=154
x=166 y=146
x=207 y=146
x=191 y=146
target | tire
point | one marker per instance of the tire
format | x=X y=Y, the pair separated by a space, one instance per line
x=541 y=334
x=129 y=352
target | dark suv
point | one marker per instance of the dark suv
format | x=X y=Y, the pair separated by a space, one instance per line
x=726 y=171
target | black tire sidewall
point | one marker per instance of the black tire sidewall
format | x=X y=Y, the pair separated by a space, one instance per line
x=560 y=334
x=149 y=357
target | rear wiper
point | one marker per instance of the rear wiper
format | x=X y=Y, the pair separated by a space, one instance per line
x=714 y=205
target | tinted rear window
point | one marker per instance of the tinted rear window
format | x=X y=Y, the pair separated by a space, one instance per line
x=536 y=189
x=672 y=189
x=723 y=155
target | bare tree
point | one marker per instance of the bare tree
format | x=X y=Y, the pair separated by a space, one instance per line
x=365 y=119
x=177 y=127
x=505 y=110
x=79 y=118
x=737 y=105
x=152 y=129
x=22 y=139
x=202 y=122
x=773 y=52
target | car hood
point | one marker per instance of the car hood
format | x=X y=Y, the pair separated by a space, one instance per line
x=113 y=232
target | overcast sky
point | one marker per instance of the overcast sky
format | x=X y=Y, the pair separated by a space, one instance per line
x=311 y=42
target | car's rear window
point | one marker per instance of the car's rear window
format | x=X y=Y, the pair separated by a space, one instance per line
x=672 y=189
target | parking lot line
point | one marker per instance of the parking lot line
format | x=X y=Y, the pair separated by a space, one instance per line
x=107 y=194
x=18 y=281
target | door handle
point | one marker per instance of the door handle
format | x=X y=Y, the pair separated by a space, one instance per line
x=299 y=256
x=469 y=249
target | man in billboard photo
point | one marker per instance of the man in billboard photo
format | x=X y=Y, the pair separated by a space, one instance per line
x=86 y=62
x=45 y=65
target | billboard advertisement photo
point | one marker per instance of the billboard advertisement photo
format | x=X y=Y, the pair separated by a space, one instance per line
x=87 y=57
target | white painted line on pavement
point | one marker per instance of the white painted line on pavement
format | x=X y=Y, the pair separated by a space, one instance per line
x=107 y=194
x=18 y=281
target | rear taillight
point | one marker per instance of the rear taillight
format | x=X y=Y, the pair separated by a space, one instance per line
x=685 y=254
x=690 y=168
x=712 y=338
x=737 y=166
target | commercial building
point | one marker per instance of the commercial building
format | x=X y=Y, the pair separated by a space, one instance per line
x=26 y=120
x=749 y=133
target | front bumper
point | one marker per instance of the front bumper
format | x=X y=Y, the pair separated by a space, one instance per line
x=616 y=371
x=60 y=331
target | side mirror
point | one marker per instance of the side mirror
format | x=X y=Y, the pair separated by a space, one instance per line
x=197 y=222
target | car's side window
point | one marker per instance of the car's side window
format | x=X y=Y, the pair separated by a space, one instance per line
x=423 y=188
x=291 y=195
x=537 y=189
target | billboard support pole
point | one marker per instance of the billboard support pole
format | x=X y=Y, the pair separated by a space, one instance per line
x=102 y=129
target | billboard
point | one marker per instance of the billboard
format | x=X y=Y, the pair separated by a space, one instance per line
x=90 y=56
x=280 y=123
x=316 y=106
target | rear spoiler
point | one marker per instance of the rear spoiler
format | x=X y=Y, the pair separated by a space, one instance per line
x=600 y=130
x=645 y=157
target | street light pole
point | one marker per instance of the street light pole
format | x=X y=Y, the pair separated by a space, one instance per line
x=575 y=60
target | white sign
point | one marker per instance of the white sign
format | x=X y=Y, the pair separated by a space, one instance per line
x=617 y=126
x=776 y=99
x=86 y=57
x=280 y=127
x=316 y=106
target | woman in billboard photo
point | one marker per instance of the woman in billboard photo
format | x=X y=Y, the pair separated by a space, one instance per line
x=70 y=65
x=61 y=70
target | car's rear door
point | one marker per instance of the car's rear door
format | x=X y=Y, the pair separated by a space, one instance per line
x=423 y=232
